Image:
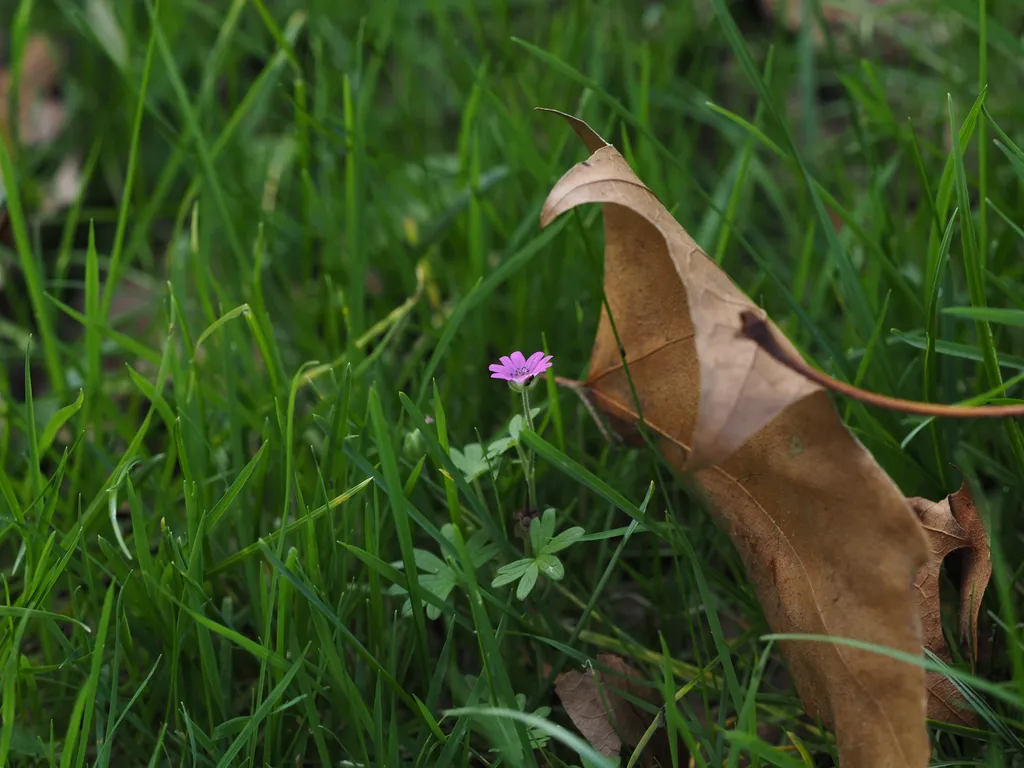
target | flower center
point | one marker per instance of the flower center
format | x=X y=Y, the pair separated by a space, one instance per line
x=521 y=372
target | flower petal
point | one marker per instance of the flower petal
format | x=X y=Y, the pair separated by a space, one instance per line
x=501 y=375
x=507 y=361
x=518 y=359
x=495 y=368
x=534 y=359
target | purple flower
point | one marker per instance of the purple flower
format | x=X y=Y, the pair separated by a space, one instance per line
x=519 y=371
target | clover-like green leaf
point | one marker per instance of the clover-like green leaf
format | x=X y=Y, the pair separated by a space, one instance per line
x=483 y=555
x=528 y=581
x=515 y=426
x=551 y=566
x=470 y=461
x=511 y=572
x=536 y=535
x=547 y=526
x=538 y=738
x=499 y=446
x=481 y=551
x=428 y=561
x=440 y=584
x=566 y=538
x=440 y=578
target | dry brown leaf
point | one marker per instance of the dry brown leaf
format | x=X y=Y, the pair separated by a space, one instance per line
x=951 y=525
x=40 y=116
x=605 y=718
x=827 y=538
x=64 y=187
x=954 y=524
x=977 y=566
x=944 y=536
x=877 y=20
x=794 y=15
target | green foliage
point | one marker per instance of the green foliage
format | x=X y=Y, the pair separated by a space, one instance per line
x=441 y=576
x=544 y=544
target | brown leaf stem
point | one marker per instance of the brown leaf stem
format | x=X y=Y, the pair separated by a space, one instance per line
x=755 y=329
x=581 y=391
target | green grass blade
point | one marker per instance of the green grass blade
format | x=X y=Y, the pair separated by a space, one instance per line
x=117 y=250
x=260 y=714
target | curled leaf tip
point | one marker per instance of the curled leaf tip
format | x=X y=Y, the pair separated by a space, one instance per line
x=589 y=136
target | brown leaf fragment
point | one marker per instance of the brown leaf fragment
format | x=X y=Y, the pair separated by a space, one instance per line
x=827 y=538
x=794 y=15
x=882 y=22
x=64 y=187
x=977 y=567
x=596 y=705
x=40 y=116
x=945 y=702
x=951 y=525
x=945 y=535
x=605 y=718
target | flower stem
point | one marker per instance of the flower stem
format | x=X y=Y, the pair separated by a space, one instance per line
x=525 y=455
x=526 y=409
x=524 y=459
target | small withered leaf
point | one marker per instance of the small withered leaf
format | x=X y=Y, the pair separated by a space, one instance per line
x=944 y=535
x=977 y=566
x=951 y=526
x=594 y=702
x=945 y=702
x=40 y=117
